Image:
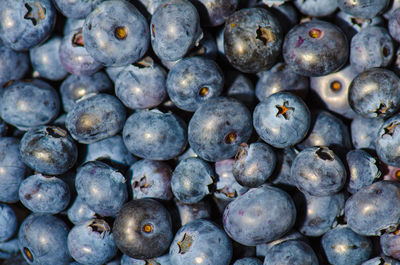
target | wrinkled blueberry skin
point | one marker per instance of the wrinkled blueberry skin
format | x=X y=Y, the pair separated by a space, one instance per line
x=80 y=212
x=363 y=8
x=92 y=242
x=281 y=78
x=327 y=130
x=241 y=88
x=155 y=135
x=8 y=222
x=342 y=246
x=193 y=211
x=12 y=169
x=29 y=103
x=49 y=150
x=312 y=55
x=129 y=229
x=13 y=64
x=387 y=141
x=46 y=61
x=319 y=214
x=291 y=252
x=375 y=93
x=141 y=85
x=191 y=179
x=318 y=171
x=101 y=187
x=254 y=164
x=371 y=47
x=43 y=240
x=218 y=127
x=101 y=27
x=74 y=87
x=248 y=261
x=74 y=57
x=262 y=249
x=226 y=187
x=162 y=260
x=76 y=8
x=95 y=118
x=214 y=12
x=150 y=178
x=394 y=25
x=374 y=209
x=42 y=194
x=188 y=78
x=175 y=29
x=333 y=90
x=252 y=40
x=379 y=260
x=363 y=169
x=319 y=8
x=111 y=150
x=200 y=242
x=267 y=213
x=364 y=132
x=25 y=24
x=282 y=120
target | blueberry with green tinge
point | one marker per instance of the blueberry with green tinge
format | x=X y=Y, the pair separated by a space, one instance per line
x=315 y=48
x=282 y=120
x=259 y=216
x=101 y=187
x=49 y=150
x=318 y=171
x=95 y=117
x=8 y=223
x=13 y=64
x=116 y=33
x=281 y=78
x=252 y=39
x=363 y=8
x=364 y=132
x=143 y=229
x=316 y=8
x=342 y=246
x=80 y=212
x=371 y=47
x=43 y=194
x=375 y=209
x=200 y=242
x=291 y=252
x=154 y=135
x=226 y=187
x=43 y=240
x=375 y=93
x=193 y=211
x=254 y=164
x=387 y=141
x=218 y=128
x=193 y=81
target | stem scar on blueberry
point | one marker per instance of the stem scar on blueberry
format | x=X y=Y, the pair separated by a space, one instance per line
x=148 y=228
x=203 y=92
x=397 y=176
x=121 y=33
x=77 y=39
x=230 y=138
x=28 y=254
x=382 y=109
x=56 y=132
x=153 y=30
x=324 y=154
x=336 y=86
x=151 y=262
x=386 y=51
x=265 y=34
x=284 y=110
x=35 y=13
x=185 y=243
x=100 y=226
x=315 y=33
x=390 y=128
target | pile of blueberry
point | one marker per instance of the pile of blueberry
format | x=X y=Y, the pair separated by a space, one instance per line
x=200 y=132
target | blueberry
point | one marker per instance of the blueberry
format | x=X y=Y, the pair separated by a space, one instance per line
x=193 y=81
x=248 y=261
x=29 y=103
x=394 y=25
x=267 y=213
x=283 y=120
x=116 y=33
x=143 y=229
x=25 y=23
x=43 y=194
x=318 y=171
x=226 y=187
x=363 y=8
x=371 y=47
x=12 y=169
x=315 y=48
x=214 y=12
x=9 y=250
x=43 y=240
x=76 y=8
x=13 y=64
x=342 y=246
x=389 y=244
x=151 y=179
x=374 y=209
x=80 y=212
x=151 y=134
x=282 y=176
x=141 y=85
x=386 y=142
x=364 y=131
x=95 y=117
x=262 y=249
x=218 y=127
x=200 y=242
x=72 y=24
x=175 y=29
x=352 y=25
x=92 y=242
x=193 y=211
x=291 y=252
x=241 y=88
x=49 y=150
x=162 y=260
x=252 y=39
x=379 y=260
x=8 y=222
x=318 y=8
